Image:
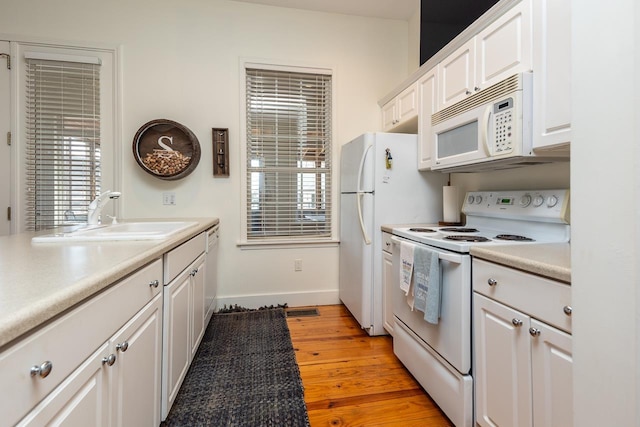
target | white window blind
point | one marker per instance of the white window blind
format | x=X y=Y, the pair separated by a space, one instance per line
x=63 y=141
x=288 y=154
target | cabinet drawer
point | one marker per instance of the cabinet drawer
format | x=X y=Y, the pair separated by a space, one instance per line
x=386 y=242
x=69 y=340
x=536 y=296
x=179 y=258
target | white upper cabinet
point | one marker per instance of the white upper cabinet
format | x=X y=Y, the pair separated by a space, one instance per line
x=504 y=47
x=401 y=113
x=499 y=51
x=552 y=74
x=457 y=75
x=428 y=97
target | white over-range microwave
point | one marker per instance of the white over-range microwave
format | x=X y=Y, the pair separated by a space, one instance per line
x=491 y=129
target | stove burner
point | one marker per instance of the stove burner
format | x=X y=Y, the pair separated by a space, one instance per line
x=422 y=230
x=467 y=238
x=514 y=237
x=459 y=229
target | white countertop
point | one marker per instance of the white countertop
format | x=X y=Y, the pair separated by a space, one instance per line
x=551 y=260
x=38 y=281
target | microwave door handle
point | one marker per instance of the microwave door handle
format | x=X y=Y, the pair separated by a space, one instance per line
x=485 y=129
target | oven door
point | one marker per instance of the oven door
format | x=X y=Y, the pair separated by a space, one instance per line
x=451 y=337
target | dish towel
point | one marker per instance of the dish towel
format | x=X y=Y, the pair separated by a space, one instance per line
x=406 y=265
x=427 y=284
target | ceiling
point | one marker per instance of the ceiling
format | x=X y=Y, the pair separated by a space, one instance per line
x=388 y=9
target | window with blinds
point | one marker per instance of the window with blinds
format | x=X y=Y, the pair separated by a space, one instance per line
x=288 y=154
x=63 y=141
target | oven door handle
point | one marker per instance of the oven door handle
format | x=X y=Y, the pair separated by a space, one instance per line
x=454 y=258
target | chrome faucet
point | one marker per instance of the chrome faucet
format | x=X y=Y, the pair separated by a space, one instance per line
x=93 y=212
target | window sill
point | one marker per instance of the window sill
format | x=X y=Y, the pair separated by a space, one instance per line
x=287 y=244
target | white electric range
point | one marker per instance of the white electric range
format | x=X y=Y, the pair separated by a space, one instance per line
x=439 y=355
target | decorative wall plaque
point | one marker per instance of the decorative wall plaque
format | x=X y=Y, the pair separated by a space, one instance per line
x=166 y=149
x=220 y=152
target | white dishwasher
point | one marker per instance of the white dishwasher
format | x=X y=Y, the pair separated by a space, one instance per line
x=211 y=272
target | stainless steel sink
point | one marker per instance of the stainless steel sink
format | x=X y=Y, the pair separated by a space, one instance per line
x=156 y=230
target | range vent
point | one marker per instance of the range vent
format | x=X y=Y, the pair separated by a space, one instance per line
x=485 y=96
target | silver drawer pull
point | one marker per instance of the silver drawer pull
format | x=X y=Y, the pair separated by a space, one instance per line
x=492 y=282
x=43 y=370
x=516 y=322
x=534 y=332
x=567 y=310
x=154 y=283
x=122 y=346
x=109 y=360
x=194 y=271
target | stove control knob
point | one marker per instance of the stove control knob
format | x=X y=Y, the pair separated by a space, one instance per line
x=525 y=201
x=552 y=201
x=478 y=200
x=538 y=201
x=470 y=199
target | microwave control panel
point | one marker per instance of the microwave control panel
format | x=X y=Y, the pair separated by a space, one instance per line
x=503 y=126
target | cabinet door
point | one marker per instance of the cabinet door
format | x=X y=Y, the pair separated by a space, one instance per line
x=82 y=399
x=408 y=104
x=552 y=376
x=389 y=115
x=137 y=371
x=504 y=47
x=176 y=342
x=428 y=95
x=456 y=75
x=197 y=304
x=552 y=73
x=503 y=365
x=387 y=291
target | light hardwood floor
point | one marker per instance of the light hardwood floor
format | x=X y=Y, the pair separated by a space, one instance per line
x=352 y=379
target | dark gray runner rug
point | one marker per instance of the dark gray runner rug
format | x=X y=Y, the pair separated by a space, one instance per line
x=244 y=374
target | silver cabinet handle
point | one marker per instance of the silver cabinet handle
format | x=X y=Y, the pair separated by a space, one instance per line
x=109 y=360
x=43 y=370
x=122 y=346
x=154 y=283
x=467 y=92
x=194 y=271
x=477 y=88
x=492 y=282
x=516 y=322
x=534 y=332
x=567 y=310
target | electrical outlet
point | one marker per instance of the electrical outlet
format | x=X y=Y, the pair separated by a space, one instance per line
x=168 y=198
x=297 y=265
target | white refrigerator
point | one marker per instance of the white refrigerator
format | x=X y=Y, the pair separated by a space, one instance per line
x=376 y=191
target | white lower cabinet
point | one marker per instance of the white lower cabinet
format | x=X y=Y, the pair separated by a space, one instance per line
x=523 y=365
x=117 y=381
x=184 y=314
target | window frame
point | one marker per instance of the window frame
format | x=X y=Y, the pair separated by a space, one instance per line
x=110 y=125
x=284 y=241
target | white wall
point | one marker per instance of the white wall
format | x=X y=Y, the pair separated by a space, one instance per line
x=414 y=41
x=605 y=176
x=180 y=61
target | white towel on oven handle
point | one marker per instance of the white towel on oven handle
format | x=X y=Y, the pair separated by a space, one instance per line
x=406 y=266
x=427 y=283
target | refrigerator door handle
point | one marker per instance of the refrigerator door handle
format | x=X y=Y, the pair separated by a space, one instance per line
x=359 y=194
x=367 y=241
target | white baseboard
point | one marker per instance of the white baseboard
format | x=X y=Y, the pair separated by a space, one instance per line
x=292 y=299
